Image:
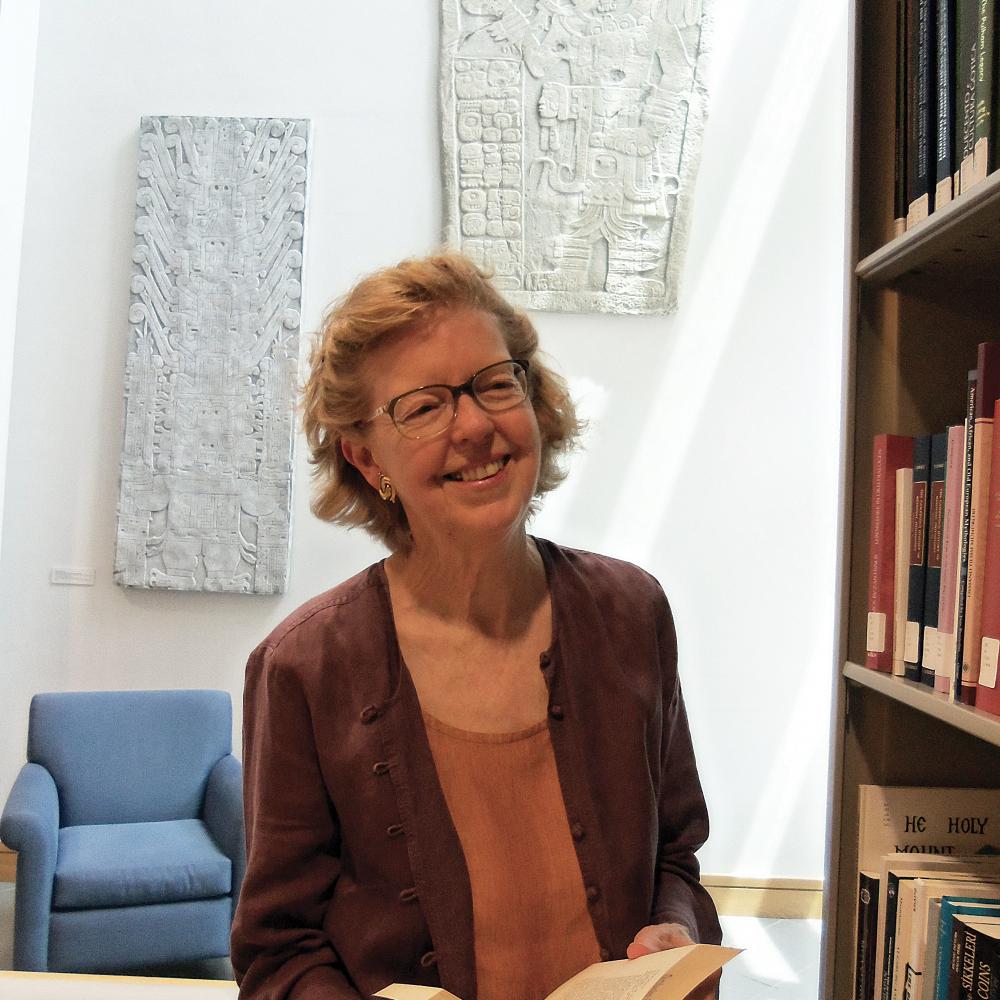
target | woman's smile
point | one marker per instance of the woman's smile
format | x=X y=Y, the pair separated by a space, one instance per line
x=479 y=474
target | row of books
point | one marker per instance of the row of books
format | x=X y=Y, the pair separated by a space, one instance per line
x=934 y=561
x=928 y=924
x=947 y=121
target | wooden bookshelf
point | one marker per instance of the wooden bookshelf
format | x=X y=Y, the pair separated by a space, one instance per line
x=917 y=306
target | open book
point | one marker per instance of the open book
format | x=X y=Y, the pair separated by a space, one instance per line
x=663 y=975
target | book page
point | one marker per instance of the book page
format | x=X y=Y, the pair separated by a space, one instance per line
x=406 y=991
x=664 y=975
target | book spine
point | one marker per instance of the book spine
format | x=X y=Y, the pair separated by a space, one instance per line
x=949 y=557
x=930 y=658
x=966 y=62
x=913 y=643
x=864 y=970
x=945 y=78
x=900 y=189
x=890 y=452
x=963 y=555
x=987 y=392
x=957 y=958
x=972 y=650
x=987 y=690
x=962 y=980
x=920 y=127
x=983 y=155
x=901 y=585
x=889 y=935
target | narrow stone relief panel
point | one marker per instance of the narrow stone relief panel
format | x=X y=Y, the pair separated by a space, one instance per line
x=571 y=132
x=212 y=366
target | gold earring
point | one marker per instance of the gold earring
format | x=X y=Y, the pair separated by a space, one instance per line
x=385 y=488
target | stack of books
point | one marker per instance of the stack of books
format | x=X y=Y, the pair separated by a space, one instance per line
x=947 y=122
x=928 y=894
x=934 y=561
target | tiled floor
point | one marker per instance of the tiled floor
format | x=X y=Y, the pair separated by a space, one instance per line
x=781 y=960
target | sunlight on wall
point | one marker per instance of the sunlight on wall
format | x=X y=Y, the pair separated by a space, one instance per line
x=708 y=317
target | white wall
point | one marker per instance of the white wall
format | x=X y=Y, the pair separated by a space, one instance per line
x=18 y=40
x=712 y=458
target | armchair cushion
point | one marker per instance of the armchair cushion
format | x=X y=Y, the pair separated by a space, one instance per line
x=135 y=864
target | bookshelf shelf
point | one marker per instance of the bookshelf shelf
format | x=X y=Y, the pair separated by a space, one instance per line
x=976 y=723
x=960 y=241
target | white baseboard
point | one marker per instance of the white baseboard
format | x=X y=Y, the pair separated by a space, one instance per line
x=736 y=896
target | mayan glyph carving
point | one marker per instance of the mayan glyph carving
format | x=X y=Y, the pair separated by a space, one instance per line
x=572 y=131
x=212 y=366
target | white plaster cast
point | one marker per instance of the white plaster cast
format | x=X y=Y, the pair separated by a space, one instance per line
x=211 y=372
x=571 y=132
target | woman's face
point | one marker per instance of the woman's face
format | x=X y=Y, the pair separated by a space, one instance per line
x=474 y=481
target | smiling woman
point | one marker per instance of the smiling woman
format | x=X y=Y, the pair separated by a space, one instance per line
x=469 y=765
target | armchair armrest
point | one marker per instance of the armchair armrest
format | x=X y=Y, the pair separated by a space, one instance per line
x=223 y=815
x=30 y=826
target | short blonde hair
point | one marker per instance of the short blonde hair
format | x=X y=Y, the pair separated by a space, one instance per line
x=335 y=398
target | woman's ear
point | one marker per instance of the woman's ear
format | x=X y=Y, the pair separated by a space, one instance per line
x=360 y=456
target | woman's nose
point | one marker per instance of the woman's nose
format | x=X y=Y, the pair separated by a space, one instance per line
x=471 y=422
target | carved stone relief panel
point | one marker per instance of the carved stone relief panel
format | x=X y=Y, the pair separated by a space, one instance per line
x=572 y=131
x=212 y=365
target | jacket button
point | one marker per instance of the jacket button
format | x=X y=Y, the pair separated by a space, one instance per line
x=577 y=831
x=605 y=954
x=408 y=895
x=395 y=830
x=428 y=958
x=556 y=711
x=593 y=894
x=369 y=715
x=380 y=767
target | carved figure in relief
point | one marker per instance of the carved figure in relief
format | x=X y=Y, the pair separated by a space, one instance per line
x=211 y=374
x=607 y=87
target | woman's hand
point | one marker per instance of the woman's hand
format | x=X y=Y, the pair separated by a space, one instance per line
x=662 y=937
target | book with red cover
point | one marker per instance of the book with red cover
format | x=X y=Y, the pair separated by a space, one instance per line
x=890 y=453
x=987 y=688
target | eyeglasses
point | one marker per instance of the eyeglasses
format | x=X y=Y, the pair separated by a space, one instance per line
x=430 y=410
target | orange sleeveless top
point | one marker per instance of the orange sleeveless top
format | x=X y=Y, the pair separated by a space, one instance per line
x=532 y=930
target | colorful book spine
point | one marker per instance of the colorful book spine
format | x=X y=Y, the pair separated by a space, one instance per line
x=930 y=653
x=950 y=545
x=920 y=116
x=890 y=453
x=950 y=911
x=901 y=584
x=963 y=553
x=945 y=77
x=913 y=642
x=983 y=154
x=987 y=392
x=864 y=969
x=966 y=65
x=899 y=191
x=987 y=689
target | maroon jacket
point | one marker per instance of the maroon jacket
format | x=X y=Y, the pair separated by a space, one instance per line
x=355 y=875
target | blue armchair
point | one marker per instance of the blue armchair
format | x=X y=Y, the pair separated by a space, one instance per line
x=128 y=823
